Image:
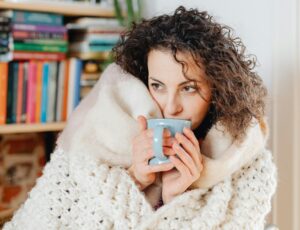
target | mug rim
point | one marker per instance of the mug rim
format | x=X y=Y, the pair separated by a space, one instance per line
x=164 y=119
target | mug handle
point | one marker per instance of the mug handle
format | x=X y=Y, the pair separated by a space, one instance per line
x=158 y=142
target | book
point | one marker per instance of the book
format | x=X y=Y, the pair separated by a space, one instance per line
x=5 y=28
x=66 y=91
x=3 y=91
x=31 y=103
x=75 y=68
x=71 y=86
x=25 y=83
x=86 y=47
x=38 y=35
x=77 y=83
x=38 y=92
x=45 y=93
x=4 y=20
x=4 y=35
x=4 y=42
x=60 y=90
x=54 y=42
x=29 y=17
x=101 y=56
x=51 y=91
x=39 y=28
x=40 y=47
x=101 y=22
x=49 y=56
x=15 y=76
x=20 y=91
x=9 y=94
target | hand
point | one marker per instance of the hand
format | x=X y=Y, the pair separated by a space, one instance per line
x=188 y=166
x=142 y=150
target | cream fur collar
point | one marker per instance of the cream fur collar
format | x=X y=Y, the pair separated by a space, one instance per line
x=104 y=125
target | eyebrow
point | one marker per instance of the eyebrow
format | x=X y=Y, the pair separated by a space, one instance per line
x=182 y=83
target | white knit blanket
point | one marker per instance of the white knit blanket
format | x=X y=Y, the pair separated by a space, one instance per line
x=86 y=184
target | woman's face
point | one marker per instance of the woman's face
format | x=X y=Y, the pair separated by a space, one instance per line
x=175 y=95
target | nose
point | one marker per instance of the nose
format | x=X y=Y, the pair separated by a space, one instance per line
x=173 y=106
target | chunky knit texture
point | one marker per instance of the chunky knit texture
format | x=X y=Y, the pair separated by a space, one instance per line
x=94 y=195
x=86 y=184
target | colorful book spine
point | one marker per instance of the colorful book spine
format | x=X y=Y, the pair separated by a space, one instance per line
x=51 y=91
x=15 y=76
x=60 y=90
x=32 y=68
x=77 y=82
x=25 y=83
x=42 y=42
x=45 y=92
x=39 y=28
x=49 y=56
x=40 y=47
x=3 y=91
x=20 y=91
x=71 y=86
x=28 y=17
x=66 y=91
x=38 y=35
x=10 y=91
x=39 y=88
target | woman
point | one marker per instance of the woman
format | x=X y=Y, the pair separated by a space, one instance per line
x=183 y=66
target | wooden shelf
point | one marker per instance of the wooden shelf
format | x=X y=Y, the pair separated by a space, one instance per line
x=65 y=8
x=30 y=128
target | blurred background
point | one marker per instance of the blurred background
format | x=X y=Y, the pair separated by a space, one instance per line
x=52 y=52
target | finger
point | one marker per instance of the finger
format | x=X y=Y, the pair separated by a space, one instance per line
x=180 y=166
x=186 y=159
x=189 y=147
x=142 y=122
x=143 y=155
x=160 y=168
x=191 y=136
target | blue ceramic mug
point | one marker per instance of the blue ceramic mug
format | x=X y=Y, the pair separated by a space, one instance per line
x=158 y=125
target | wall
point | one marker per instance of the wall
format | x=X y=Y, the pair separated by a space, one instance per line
x=269 y=29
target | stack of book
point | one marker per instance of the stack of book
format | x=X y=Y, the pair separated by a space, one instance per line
x=39 y=84
x=5 y=38
x=93 y=38
x=36 y=35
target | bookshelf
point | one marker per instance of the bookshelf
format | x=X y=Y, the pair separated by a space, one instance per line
x=65 y=8
x=28 y=128
x=68 y=9
x=32 y=142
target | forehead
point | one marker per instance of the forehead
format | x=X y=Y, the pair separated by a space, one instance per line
x=162 y=65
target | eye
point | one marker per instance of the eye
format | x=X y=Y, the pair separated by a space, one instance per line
x=155 y=86
x=190 y=89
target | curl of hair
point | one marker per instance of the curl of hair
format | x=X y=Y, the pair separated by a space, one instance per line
x=238 y=93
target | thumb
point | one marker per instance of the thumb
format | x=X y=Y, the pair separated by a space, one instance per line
x=142 y=123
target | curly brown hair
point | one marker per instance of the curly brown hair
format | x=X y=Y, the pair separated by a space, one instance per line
x=238 y=93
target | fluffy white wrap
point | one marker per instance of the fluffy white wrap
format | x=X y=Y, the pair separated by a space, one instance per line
x=86 y=184
x=105 y=123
